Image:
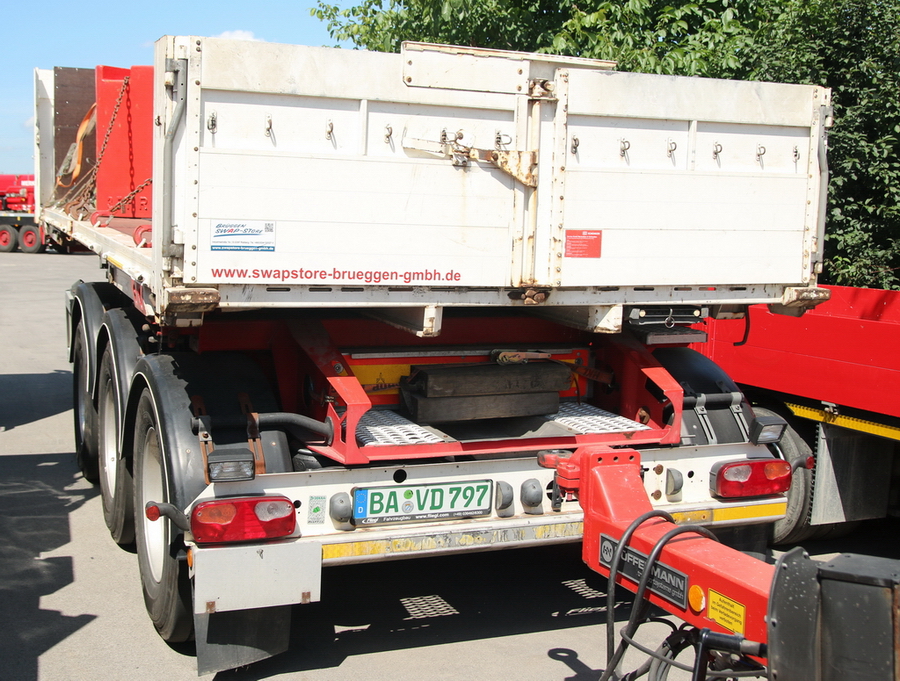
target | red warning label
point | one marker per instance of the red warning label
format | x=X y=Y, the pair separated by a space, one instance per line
x=583 y=243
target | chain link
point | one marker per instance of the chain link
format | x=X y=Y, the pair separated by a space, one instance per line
x=83 y=197
x=125 y=200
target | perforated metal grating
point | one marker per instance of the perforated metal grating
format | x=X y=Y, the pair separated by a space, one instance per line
x=427 y=606
x=580 y=587
x=389 y=428
x=584 y=419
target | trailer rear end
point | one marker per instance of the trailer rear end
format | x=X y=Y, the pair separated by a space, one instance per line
x=370 y=306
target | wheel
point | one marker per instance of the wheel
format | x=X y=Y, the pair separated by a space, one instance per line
x=9 y=238
x=164 y=577
x=84 y=412
x=30 y=239
x=794 y=527
x=116 y=487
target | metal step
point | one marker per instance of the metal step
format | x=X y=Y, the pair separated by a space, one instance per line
x=384 y=427
x=585 y=419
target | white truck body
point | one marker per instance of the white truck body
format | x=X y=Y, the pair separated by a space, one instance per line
x=331 y=167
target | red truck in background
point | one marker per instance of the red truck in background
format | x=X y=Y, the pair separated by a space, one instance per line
x=833 y=374
x=17 y=227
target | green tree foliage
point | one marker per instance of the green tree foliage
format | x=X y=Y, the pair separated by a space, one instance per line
x=852 y=46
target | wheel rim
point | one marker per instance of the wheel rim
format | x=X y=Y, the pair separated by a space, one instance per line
x=108 y=449
x=5 y=239
x=155 y=532
x=29 y=238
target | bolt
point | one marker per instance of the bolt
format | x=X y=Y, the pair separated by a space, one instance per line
x=656 y=495
x=659 y=469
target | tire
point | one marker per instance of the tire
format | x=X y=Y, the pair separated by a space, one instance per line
x=30 y=239
x=116 y=486
x=85 y=414
x=164 y=575
x=794 y=527
x=9 y=238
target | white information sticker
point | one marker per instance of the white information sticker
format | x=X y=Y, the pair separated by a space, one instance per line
x=242 y=235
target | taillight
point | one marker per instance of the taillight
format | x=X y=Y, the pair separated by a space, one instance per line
x=750 y=478
x=243 y=519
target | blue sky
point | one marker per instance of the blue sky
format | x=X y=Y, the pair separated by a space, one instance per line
x=44 y=34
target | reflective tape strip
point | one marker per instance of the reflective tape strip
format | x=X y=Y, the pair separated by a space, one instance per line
x=705 y=516
x=773 y=510
x=849 y=422
x=443 y=541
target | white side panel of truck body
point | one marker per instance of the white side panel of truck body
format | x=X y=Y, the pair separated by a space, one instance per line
x=686 y=181
x=300 y=177
x=337 y=171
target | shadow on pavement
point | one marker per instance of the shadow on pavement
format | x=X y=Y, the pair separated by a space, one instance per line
x=26 y=398
x=432 y=601
x=34 y=519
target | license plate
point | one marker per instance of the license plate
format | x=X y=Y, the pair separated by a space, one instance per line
x=437 y=501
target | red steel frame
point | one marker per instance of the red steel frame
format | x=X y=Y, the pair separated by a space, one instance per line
x=316 y=347
x=609 y=487
x=843 y=352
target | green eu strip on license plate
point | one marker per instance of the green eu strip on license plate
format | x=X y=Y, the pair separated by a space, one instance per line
x=437 y=501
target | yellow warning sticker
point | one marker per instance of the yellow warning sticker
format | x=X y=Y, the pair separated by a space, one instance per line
x=726 y=612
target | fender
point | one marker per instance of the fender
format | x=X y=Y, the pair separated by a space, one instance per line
x=87 y=303
x=706 y=384
x=120 y=331
x=217 y=377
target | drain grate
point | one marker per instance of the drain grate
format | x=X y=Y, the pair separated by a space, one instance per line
x=585 y=419
x=389 y=428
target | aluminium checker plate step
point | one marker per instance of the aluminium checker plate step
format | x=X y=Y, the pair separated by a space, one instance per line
x=385 y=427
x=585 y=419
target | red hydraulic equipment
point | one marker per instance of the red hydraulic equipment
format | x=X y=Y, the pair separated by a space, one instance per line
x=743 y=616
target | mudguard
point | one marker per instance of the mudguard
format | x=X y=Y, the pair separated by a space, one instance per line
x=230 y=639
x=702 y=378
x=227 y=640
x=120 y=331
x=174 y=380
x=87 y=303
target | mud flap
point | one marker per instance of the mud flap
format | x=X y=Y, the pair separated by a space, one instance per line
x=226 y=640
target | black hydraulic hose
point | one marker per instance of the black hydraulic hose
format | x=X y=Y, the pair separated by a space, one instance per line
x=639 y=603
x=277 y=419
x=286 y=419
x=613 y=573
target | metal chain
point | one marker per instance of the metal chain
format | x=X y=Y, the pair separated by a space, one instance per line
x=82 y=197
x=125 y=200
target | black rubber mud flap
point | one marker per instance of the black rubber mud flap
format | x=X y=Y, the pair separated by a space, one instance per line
x=226 y=640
